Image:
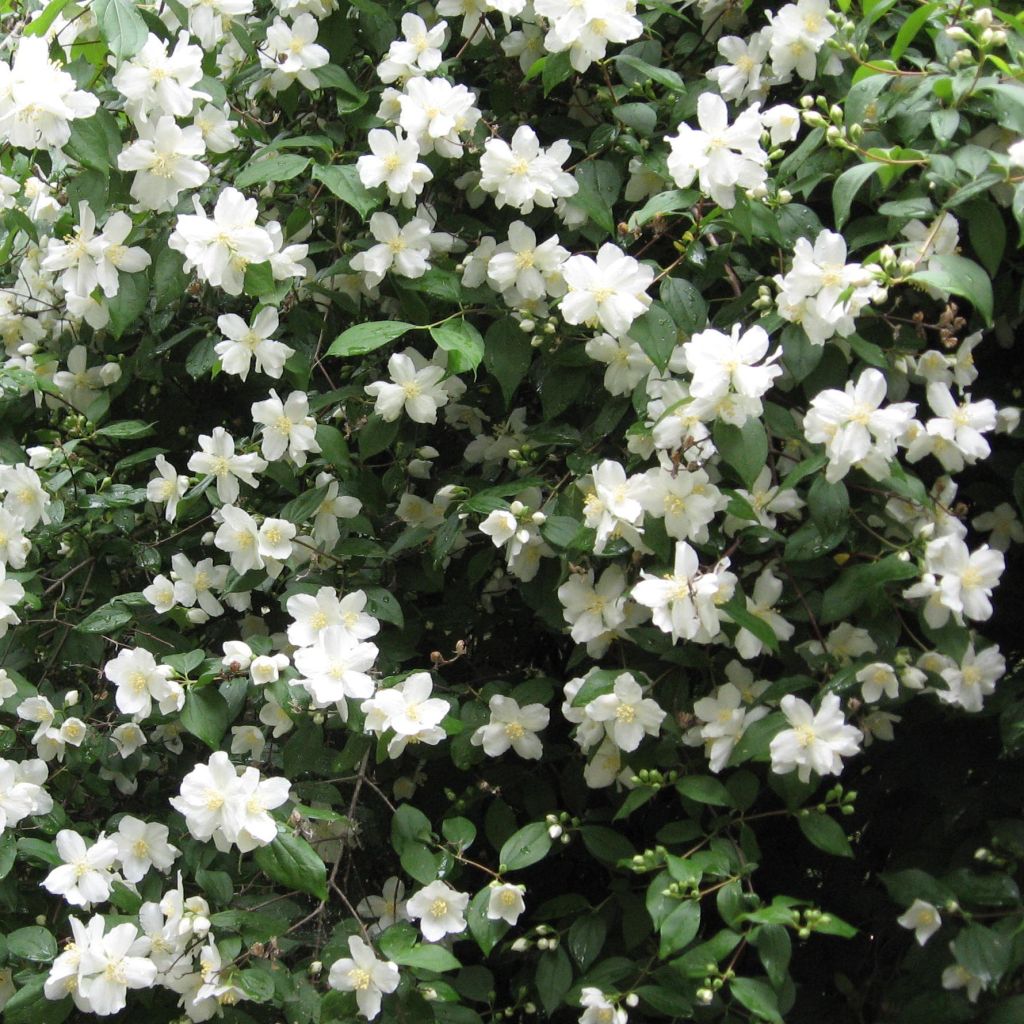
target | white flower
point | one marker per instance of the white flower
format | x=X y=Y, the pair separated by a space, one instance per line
x=439 y=910
x=512 y=726
x=598 y=1009
x=38 y=98
x=593 y=610
x=418 y=392
x=876 y=679
x=726 y=714
x=365 y=975
x=161 y=159
x=11 y=592
x=14 y=545
x=797 y=32
x=247 y=741
x=505 y=902
x=140 y=681
x=721 y=362
x=627 y=362
x=922 y=918
x=217 y=457
x=276 y=718
x=221 y=247
x=291 y=53
x=267 y=668
x=409 y=711
x=817 y=741
x=530 y=270
x=740 y=79
x=685 y=602
x=585 y=29
x=966 y=578
x=141 y=846
x=238 y=535
x=313 y=614
x=219 y=803
x=1002 y=525
x=387 y=908
x=612 y=505
x=243 y=345
x=394 y=163
x=524 y=174
x=335 y=667
x=128 y=738
x=274 y=539
x=287 y=427
x=155 y=80
x=610 y=291
x=168 y=487
x=436 y=113
x=854 y=428
x=957 y=976
x=418 y=52
x=767 y=591
x=111 y=964
x=626 y=714
x=195 y=583
x=85 y=877
x=724 y=156
x=21 y=791
x=81 y=385
x=973 y=679
x=405 y=250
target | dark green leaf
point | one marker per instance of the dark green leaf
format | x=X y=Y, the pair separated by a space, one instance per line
x=525 y=847
x=363 y=338
x=121 y=26
x=825 y=833
x=345 y=184
x=463 y=343
x=206 y=715
x=33 y=943
x=290 y=860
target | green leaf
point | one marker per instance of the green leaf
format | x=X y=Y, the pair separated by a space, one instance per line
x=290 y=860
x=363 y=338
x=685 y=305
x=409 y=825
x=486 y=932
x=333 y=446
x=343 y=181
x=259 y=279
x=951 y=273
x=95 y=141
x=847 y=185
x=8 y=853
x=106 y=619
x=507 y=355
x=525 y=847
x=463 y=343
x=128 y=306
x=859 y=583
x=280 y=167
x=705 y=790
x=982 y=951
x=383 y=605
x=656 y=333
x=775 y=949
x=125 y=429
x=419 y=862
x=909 y=29
x=427 y=957
x=825 y=833
x=38 y=26
x=598 y=190
x=375 y=435
x=121 y=26
x=679 y=928
x=736 y=609
x=555 y=71
x=257 y=984
x=586 y=937
x=662 y=76
x=829 y=505
x=553 y=978
x=29 y=1005
x=744 y=448
x=206 y=715
x=757 y=997
x=33 y=943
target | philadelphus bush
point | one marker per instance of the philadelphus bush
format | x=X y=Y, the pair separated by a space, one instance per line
x=506 y=508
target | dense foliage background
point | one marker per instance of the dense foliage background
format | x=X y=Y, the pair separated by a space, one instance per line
x=511 y=490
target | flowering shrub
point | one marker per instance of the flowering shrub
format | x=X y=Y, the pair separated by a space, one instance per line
x=500 y=510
